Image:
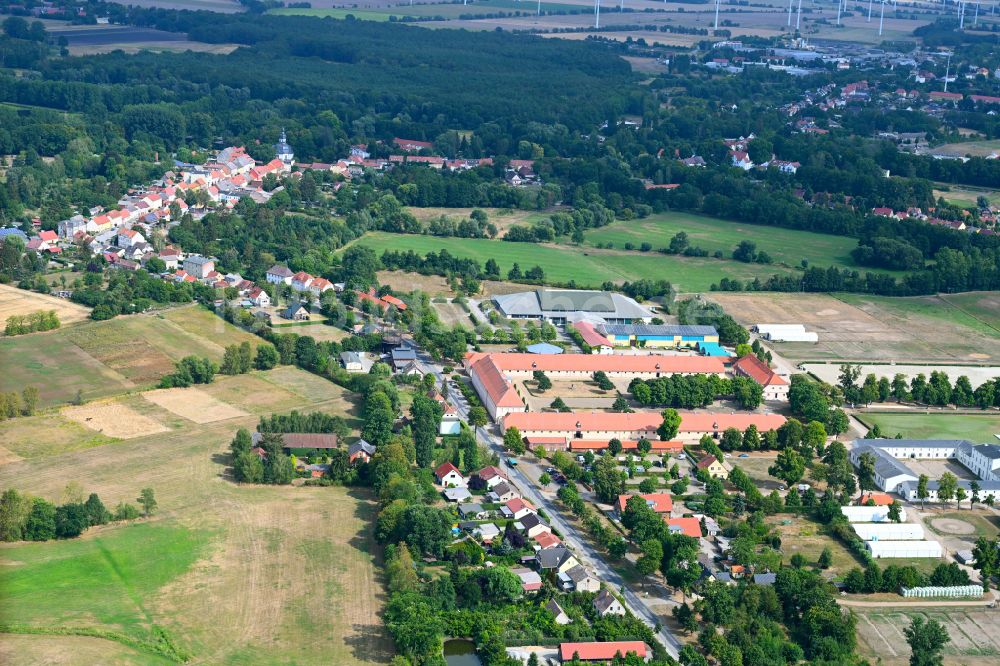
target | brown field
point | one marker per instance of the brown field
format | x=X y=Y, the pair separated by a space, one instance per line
x=193 y=404
x=318 y=331
x=253 y=393
x=45 y=434
x=452 y=313
x=432 y=285
x=14 y=301
x=113 y=419
x=171 y=46
x=294 y=568
x=974 y=633
x=861 y=328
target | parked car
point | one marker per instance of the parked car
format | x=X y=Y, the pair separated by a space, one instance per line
x=727 y=455
x=681 y=456
x=744 y=455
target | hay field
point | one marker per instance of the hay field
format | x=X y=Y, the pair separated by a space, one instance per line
x=861 y=328
x=193 y=404
x=113 y=419
x=293 y=567
x=46 y=434
x=14 y=301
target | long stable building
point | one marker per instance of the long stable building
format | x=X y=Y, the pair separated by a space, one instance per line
x=493 y=375
x=563 y=429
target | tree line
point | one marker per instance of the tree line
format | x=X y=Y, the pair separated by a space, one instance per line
x=24 y=517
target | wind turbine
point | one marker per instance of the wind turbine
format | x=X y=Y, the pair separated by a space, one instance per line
x=597 y=14
x=798 y=16
x=975 y=21
x=869 y=11
x=717 y=14
x=881 y=19
x=840 y=6
x=789 y=13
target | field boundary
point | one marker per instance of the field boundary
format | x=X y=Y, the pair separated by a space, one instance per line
x=163 y=647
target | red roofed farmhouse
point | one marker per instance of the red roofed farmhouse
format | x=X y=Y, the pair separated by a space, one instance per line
x=607 y=425
x=775 y=386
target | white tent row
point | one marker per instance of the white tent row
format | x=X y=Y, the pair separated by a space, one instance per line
x=889 y=531
x=869 y=514
x=888 y=549
x=975 y=591
x=785 y=332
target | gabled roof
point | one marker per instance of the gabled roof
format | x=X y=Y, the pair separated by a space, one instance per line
x=550 y=558
x=637 y=421
x=707 y=462
x=503 y=488
x=659 y=502
x=489 y=472
x=444 y=469
x=547 y=540
x=687 y=526
x=359 y=446
x=759 y=371
x=604 y=600
x=501 y=392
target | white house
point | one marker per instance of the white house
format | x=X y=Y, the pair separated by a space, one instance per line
x=448 y=475
x=259 y=297
x=279 y=274
x=301 y=281
x=129 y=237
x=606 y=604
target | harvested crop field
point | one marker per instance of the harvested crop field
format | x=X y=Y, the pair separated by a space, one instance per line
x=193 y=404
x=44 y=435
x=860 y=328
x=974 y=633
x=252 y=393
x=113 y=419
x=14 y=301
x=293 y=567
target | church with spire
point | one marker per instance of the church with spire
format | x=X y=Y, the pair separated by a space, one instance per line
x=284 y=151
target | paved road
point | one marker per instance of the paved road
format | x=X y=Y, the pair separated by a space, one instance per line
x=584 y=552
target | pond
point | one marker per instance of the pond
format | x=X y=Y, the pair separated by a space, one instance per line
x=461 y=652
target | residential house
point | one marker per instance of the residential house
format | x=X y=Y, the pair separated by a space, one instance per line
x=531 y=525
x=473 y=511
x=715 y=469
x=320 y=285
x=295 y=312
x=301 y=281
x=558 y=614
x=360 y=451
x=129 y=237
x=503 y=492
x=606 y=604
x=487 y=532
x=259 y=297
x=491 y=476
x=547 y=540
x=741 y=160
x=279 y=274
x=358 y=362
x=661 y=503
x=448 y=475
x=689 y=526
x=530 y=580
x=517 y=509
x=199 y=266
x=171 y=257
x=579 y=579
x=401 y=356
x=558 y=559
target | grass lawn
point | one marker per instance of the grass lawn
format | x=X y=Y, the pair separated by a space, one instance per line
x=984 y=306
x=977 y=428
x=293 y=569
x=986 y=524
x=786 y=246
x=806 y=537
x=47 y=434
x=587 y=267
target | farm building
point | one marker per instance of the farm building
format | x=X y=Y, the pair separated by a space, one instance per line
x=559 y=305
x=889 y=531
x=600 y=652
x=631 y=426
x=775 y=386
x=597 y=342
x=908 y=490
x=667 y=336
x=599 y=445
x=869 y=514
x=894 y=549
x=893 y=476
x=785 y=333
x=493 y=374
x=889 y=472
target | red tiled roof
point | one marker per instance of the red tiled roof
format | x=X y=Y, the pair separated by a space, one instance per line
x=688 y=526
x=637 y=421
x=627 y=444
x=444 y=469
x=48 y=235
x=501 y=391
x=880 y=499
x=757 y=370
x=590 y=363
x=517 y=504
x=489 y=472
x=706 y=462
x=392 y=300
x=547 y=540
x=603 y=651
x=662 y=502
x=590 y=334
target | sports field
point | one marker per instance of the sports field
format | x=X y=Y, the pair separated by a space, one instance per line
x=979 y=428
x=786 y=246
x=586 y=266
x=101 y=358
x=292 y=567
x=860 y=328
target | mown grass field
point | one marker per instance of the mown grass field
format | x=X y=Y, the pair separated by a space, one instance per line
x=585 y=266
x=787 y=246
x=978 y=428
x=228 y=574
x=102 y=358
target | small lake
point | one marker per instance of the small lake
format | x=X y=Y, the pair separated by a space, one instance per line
x=461 y=652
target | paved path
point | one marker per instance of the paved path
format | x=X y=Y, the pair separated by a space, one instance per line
x=584 y=552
